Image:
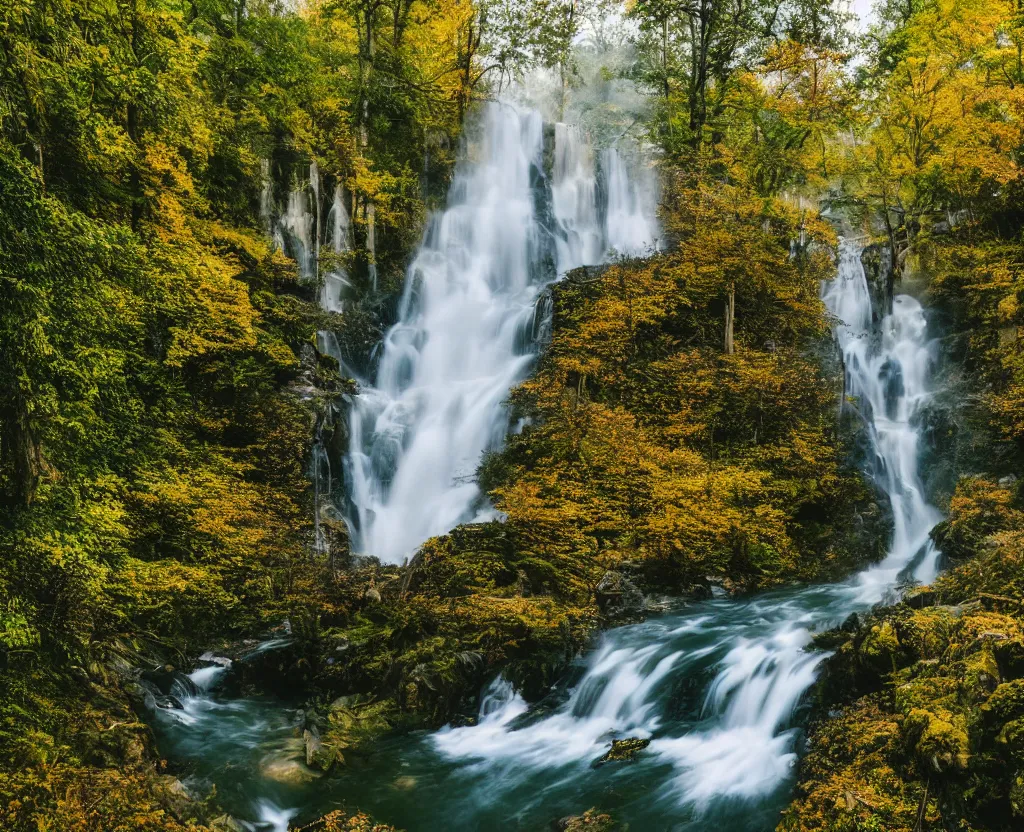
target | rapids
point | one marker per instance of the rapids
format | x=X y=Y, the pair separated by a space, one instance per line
x=717 y=686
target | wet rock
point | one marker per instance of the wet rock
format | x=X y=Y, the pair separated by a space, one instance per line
x=167 y=681
x=590 y=821
x=405 y=783
x=920 y=597
x=851 y=624
x=319 y=756
x=209 y=658
x=169 y=702
x=618 y=597
x=701 y=592
x=286 y=771
x=623 y=750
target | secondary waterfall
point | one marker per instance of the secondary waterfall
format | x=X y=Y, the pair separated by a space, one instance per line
x=466 y=318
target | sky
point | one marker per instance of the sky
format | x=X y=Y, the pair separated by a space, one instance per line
x=862 y=8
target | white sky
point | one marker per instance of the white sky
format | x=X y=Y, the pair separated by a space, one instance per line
x=862 y=8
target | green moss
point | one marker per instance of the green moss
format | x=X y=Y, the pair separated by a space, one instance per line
x=623 y=750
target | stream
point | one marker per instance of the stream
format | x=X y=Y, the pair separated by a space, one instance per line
x=717 y=686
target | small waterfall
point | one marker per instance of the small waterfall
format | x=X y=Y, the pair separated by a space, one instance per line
x=738 y=742
x=295 y=232
x=335 y=281
x=890 y=382
x=574 y=199
x=465 y=332
x=631 y=202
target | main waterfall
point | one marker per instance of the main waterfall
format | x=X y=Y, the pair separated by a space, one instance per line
x=466 y=318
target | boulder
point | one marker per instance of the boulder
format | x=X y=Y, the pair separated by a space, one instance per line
x=286 y=771
x=623 y=750
x=319 y=756
x=618 y=597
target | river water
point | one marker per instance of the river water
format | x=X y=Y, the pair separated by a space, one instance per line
x=717 y=686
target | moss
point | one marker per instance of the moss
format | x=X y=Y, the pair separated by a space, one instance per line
x=947 y=682
x=624 y=750
x=590 y=821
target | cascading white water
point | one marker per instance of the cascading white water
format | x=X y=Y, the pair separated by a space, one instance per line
x=741 y=743
x=631 y=201
x=574 y=199
x=335 y=280
x=463 y=338
x=890 y=383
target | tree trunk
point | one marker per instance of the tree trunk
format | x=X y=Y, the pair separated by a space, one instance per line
x=26 y=453
x=664 y=74
x=730 y=319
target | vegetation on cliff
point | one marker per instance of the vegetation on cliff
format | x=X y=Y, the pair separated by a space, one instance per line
x=155 y=348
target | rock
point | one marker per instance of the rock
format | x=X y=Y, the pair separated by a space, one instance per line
x=287 y=772
x=209 y=658
x=319 y=756
x=920 y=597
x=618 y=597
x=701 y=592
x=226 y=823
x=623 y=750
x=1009 y=481
x=169 y=702
x=590 y=821
x=405 y=783
x=176 y=795
x=851 y=624
x=169 y=681
x=1010 y=659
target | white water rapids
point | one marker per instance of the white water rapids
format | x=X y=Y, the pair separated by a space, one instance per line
x=464 y=336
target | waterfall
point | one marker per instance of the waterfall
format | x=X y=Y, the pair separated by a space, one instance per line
x=296 y=230
x=891 y=383
x=464 y=334
x=335 y=280
x=631 y=201
x=716 y=686
x=574 y=198
x=739 y=741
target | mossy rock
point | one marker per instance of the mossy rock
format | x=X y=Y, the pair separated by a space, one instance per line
x=353 y=726
x=589 y=821
x=623 y=750
x=881 y=647
x=939 y=740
